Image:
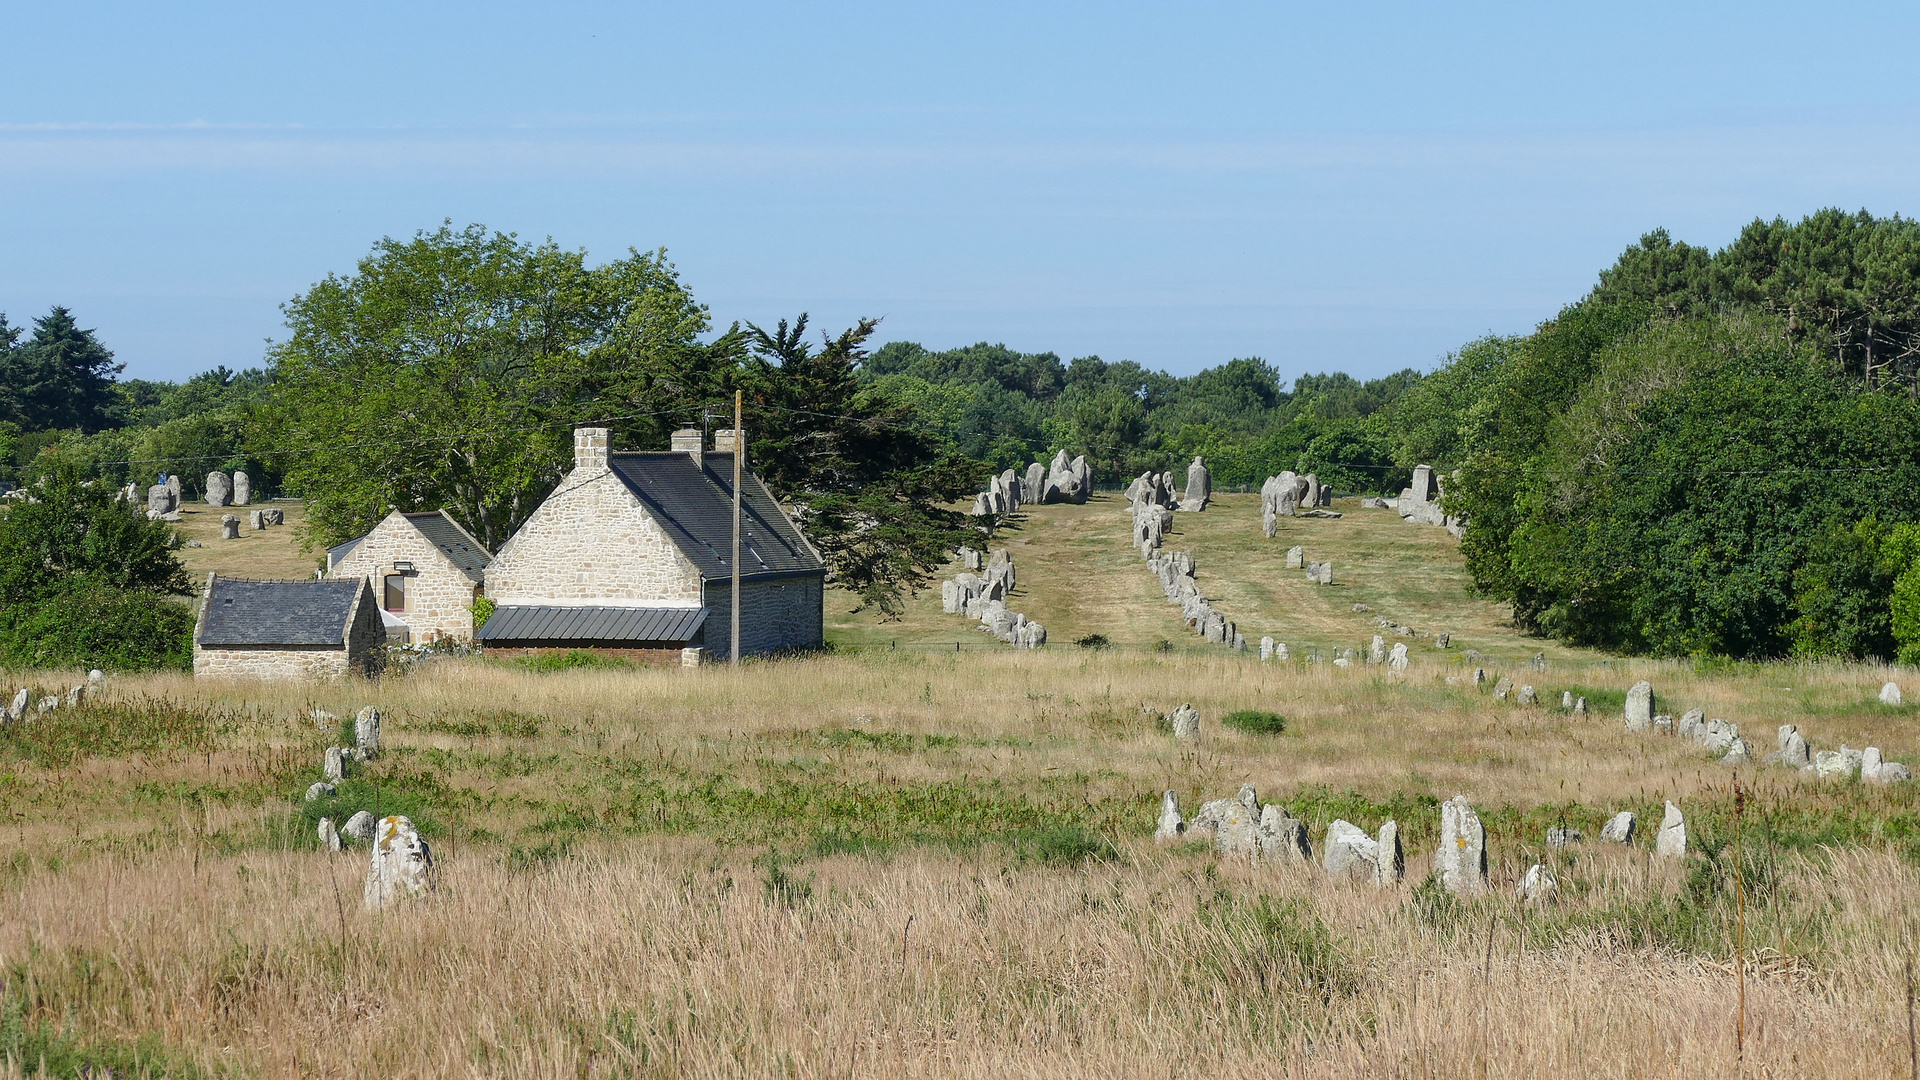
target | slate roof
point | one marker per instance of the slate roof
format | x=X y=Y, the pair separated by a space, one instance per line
x=694 y=504
x=464 y=550
x=516 y=624
x=341 y=551
x=244 y=612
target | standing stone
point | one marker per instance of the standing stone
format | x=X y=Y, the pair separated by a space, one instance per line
x=242 y=489
x=1562 y=836
x=1443 y=641
x=359 y=826
x=1280 y=650
x=20 y=702
x=1890 y=694
x=1266 y=648
x=1186 y=723
x=1296 y=557
x=1831 y=763
x=1794 y=752
x=219 y=488
x=1391 y=865
x=1566 y=699
x=76 y=695
x=273 y=515
x=321 y=790
x=336 y=764
x=1737 y=752
x=159 y=499
x=1691 y=722
x=366 y=731
x=1502 y=688
x=1377 y=650
x=1312 y=496
x=1580 y=706
x=1640 y=706
x=1870 y=762
x=1034 y=483
x=1672 y=841
x=230 y=527
x=1538 y=887
x=1282 y=837
x=1397 y=660
x=1199 y=486
x=402 y=865
x=1323 y=573
x=256 y=520
x=1479 y=677
x=1172 y=825
x=1350 y=852
x=328 y=836
x=96 y=678
x=1619 y=828
x=1238 y=834
x=949 y=598
x=173 y=488
x=1461 y=861
x=1528 y=697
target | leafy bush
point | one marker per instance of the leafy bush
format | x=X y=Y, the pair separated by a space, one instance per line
x=1256 y=722
x=1094 y=641
x=89 y=625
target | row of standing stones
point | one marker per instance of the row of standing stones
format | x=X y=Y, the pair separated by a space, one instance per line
x=1242 y=828
x=401 y=865
x=165 y=497
x=1062 y=482
x=258 y=519
x=980 y=592
x=28 y=703
x=1794 y=751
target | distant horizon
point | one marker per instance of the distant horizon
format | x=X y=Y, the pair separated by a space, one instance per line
x=1329 y=190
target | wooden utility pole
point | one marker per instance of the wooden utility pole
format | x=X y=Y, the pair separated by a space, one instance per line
x=739 y=451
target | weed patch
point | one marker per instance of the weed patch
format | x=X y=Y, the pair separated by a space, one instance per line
x=1255 y=722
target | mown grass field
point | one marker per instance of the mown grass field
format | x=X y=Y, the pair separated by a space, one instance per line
x=921 y=863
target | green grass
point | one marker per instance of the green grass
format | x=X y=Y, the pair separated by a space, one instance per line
x=36 y=1045
x=147 y=726
x=1255 y=722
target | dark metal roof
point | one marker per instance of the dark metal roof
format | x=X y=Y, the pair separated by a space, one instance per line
x=694 y=504
x=515 y=623
x=244 y=612
x=464 y=550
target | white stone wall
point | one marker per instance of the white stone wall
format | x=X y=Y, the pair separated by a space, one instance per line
x=592 y=543
x=785 y=613
x=439 y=596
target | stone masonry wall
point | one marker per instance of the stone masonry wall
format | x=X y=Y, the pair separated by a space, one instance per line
x=590 y=543
x=310 y=662
x=785 y=613
x=439 y=597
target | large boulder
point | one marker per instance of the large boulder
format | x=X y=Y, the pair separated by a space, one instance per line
x=1794 y=752
x=1237 y=835
x=219 y=488
x=1283 y=837
x=1348 y=852
x=359 y=826
x=1461 y=861
x=401 y=866
x=1640 y=706
x=1619 y=828
x=1890 y=694
x=1672 y=841
x=160 y=499
x=1186 y=723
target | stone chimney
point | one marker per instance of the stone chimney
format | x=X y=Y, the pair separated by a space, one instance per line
x=723 y=441
x=688 y=441
x=589 y=450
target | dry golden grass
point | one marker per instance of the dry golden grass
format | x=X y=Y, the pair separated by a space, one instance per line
x=918 y=863
x=267 y=553
x=712 y=873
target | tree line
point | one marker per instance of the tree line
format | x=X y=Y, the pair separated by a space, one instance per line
x=1711 y=453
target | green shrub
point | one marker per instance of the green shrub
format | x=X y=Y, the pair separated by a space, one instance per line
x=572 y=659
x=1256 y=722
x=88 y=625
x=1094 y=641
x=1064 y=845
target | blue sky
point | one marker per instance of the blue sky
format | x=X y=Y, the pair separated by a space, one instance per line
x=1331 y=187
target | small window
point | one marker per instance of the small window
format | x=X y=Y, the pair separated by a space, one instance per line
x=396 y=592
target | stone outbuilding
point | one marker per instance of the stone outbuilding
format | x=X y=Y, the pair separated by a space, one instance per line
x=425 y=570
x=287 y=629
x=631 y=554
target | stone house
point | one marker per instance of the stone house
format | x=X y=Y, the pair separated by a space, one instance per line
x=631 y=555
x=287 y=629
x=425 y=570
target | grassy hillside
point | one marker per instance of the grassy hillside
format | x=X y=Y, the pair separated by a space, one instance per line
x=1078 y=576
